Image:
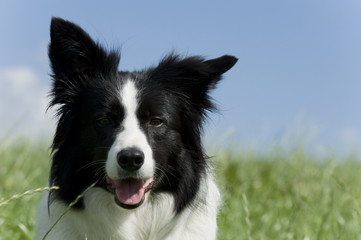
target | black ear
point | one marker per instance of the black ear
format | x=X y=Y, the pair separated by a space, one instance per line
x=221 y=65
x=192 y=77
x=216 y=67
x=193 y=72
x=73 y=52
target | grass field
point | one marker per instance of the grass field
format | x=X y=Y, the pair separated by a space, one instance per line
x=270 y=196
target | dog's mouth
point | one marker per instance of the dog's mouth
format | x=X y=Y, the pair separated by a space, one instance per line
x=129 y=193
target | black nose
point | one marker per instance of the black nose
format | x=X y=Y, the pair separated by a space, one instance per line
x=130 y=159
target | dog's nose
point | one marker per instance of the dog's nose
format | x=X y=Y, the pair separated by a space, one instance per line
x=130 y=159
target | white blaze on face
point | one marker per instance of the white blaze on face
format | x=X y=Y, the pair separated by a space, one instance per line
x=130 y=136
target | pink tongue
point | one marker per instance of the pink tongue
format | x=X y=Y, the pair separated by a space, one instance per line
x=129 y=191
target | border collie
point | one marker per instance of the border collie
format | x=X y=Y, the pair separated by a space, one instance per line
x=137 y=136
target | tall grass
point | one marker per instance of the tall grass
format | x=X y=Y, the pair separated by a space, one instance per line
x=23 y=166
x=289 y=196
x=278 y=195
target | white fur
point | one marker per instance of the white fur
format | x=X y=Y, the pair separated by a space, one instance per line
x=103 y=219
x=131 y=136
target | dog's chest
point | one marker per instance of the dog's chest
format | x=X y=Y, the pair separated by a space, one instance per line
x=103 y=219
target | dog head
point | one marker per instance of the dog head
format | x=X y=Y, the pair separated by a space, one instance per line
x=130 y=132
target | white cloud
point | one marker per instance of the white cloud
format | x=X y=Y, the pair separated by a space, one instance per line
x=23 y=102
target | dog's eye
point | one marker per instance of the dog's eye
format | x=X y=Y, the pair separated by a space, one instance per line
x=156 y=122
x=104 y=122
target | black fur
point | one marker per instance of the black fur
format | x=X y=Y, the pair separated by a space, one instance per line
x=85 y=87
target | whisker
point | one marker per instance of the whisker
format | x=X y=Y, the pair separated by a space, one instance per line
x=165 y=174
x=100 y=173
x=92 y=164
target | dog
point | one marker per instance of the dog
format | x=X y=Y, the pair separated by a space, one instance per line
x=135 y=137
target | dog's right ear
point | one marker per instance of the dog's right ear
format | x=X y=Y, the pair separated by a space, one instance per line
x=72 y=52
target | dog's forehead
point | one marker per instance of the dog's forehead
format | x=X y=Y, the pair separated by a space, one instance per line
x=128 y=93
x=135 y=77
x=137 y=93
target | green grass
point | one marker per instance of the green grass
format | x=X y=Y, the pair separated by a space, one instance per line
x=23 y=166
x=289 y=196
x=277 y=195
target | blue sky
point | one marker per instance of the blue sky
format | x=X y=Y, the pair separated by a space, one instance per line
x=298 y=74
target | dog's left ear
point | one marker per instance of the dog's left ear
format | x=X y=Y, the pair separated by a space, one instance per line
x=216 y=67
x=192 y=74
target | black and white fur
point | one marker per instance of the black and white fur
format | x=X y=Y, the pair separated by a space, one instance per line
x=137 y=136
